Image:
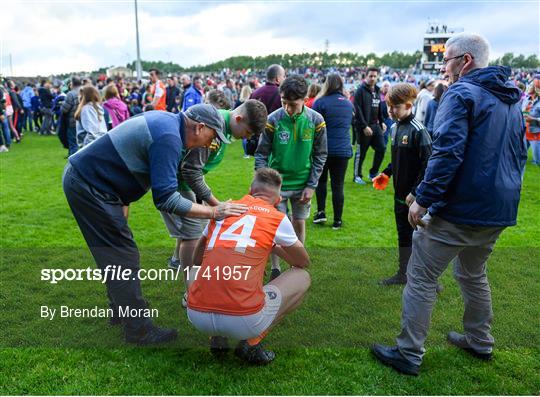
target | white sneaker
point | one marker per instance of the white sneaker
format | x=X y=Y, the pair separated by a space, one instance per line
x=359 y=180
x=372 y=177
x=3 y=149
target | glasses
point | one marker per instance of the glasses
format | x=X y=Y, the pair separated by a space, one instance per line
x=446 y=60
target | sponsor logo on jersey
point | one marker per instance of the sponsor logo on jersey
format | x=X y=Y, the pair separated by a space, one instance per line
x=284 y=136
x=260 y=209
x=306 y=134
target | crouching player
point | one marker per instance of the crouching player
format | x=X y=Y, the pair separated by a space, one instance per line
x=226 y=297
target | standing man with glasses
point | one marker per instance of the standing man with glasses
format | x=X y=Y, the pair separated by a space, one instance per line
x=469 y=195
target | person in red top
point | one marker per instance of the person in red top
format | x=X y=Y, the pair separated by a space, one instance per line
x=158 y=91
x=313 y=91
x=227 y=297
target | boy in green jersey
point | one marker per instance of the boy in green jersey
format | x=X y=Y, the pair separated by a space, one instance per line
x=294 y=144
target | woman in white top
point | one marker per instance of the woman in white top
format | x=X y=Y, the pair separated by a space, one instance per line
x=90 y=116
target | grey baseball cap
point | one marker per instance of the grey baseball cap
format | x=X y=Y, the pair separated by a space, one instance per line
x=209 y=115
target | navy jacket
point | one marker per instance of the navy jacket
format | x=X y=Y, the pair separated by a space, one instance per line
x=431 y=111
x=46 y=97
x=473 y=176
x=337 y=112
x=36 y=103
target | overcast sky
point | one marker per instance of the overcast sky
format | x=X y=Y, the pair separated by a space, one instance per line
x=45 y=37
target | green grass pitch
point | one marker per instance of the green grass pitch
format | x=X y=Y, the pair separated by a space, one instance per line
x=323 y=348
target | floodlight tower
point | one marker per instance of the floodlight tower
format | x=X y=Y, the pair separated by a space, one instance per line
x=138 y=62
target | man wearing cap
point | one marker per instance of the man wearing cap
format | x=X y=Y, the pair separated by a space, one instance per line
x=117 y=169
x=424 y=96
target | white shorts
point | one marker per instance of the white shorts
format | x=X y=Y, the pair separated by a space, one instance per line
x=239 y=327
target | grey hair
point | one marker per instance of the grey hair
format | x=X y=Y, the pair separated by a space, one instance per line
x=473 y=44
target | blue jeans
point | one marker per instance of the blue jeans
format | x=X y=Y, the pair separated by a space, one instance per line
x=6 y=131
x=535 y=145
x=389 y=122
x=72 y=140
x=27 y=121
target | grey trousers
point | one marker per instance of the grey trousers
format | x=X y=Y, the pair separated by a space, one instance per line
x=433 y=248
x=47 y=123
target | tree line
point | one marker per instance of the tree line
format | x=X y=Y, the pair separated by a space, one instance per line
x=395 y=59
x=321 y=60
x=519 y=61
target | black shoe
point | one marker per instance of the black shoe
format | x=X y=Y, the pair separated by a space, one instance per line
x=460 y=341
x=255 y=355
x=440 y=288
x=153 y=336
x=320 y=217
x=337 y=225
x=275 y=274
x=391 y=356
x=115 y=319
x=219 y=345
x=396 y=279
x=174 y=263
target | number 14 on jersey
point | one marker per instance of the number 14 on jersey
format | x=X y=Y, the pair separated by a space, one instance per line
x=243 y=239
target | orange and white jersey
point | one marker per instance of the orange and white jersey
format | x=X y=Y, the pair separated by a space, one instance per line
x=158 y=91
x=230 y=279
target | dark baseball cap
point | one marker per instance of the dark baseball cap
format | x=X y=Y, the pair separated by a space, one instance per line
x=209 y=115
